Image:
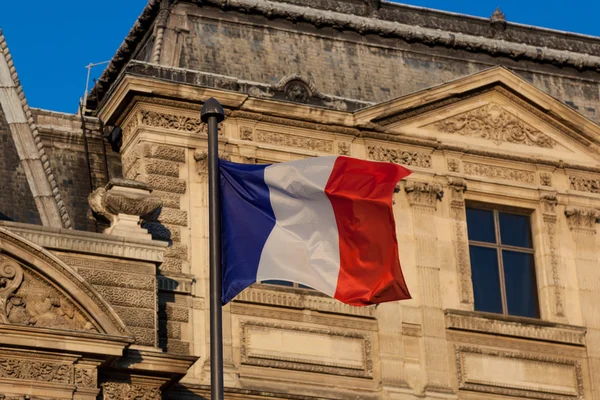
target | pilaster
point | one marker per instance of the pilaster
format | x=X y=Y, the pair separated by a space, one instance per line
x=423 y=198
x=582 y=223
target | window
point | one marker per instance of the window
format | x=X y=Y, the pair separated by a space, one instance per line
x=502 y=262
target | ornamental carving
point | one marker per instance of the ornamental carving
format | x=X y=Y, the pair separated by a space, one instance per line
x=494 y=123
x=582 y=184
x=175 y=122
x=26 y=299
x=300 y=142
x=85 y=378
x=396 y=156
x=545 y=179
x=120 y=391
x=22 y=369
x=423 y=193
x=453 y=165
x=246 y=133
x=582 y=218
x=344 y=148
x=549 y=201
x=494 y=172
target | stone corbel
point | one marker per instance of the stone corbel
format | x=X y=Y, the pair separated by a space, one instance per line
x=458 y=187
x=123 y=203
x=582 y=218
x=549 y=201
x=424 y=194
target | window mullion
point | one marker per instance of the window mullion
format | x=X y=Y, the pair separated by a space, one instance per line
x=500 y=262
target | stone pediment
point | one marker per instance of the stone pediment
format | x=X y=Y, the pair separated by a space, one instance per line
x=40 y=291
x=494 y=110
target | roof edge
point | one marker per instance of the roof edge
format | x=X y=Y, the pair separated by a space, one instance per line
x=41 y=156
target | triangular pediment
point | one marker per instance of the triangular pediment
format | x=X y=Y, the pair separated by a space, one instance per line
x=494 y=110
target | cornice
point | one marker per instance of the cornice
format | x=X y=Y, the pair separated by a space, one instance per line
x=44 y=162
x=553 y=47
x=88 y=242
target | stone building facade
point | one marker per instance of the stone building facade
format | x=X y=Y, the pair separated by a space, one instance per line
x=103 y=239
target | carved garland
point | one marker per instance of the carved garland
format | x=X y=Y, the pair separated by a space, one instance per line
x=21 y=369
x=494 y=123
x=582 y=184
x=296 y=141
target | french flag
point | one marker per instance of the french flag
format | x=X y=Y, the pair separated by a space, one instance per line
x=324 y=222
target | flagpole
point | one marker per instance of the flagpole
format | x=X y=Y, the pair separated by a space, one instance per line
x=212 y=113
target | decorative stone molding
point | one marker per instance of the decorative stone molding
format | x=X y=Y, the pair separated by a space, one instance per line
x=120 y=391
x=453 y=165
x=300 y=299
x=294 y=141
x=31 y=151
x=548 y=202
x=582 y=184
x=492 y=122
x=252 y=354
x=495 y=172
x=397 y=156
x=457 y=188
x=344 y=148
x=86 y=377
x=124 y=203
x=87 y=242
x=540 y=331
x=545 y=179
x=273 y=313
x=582 y=218
x=246 y=133
x=424 y=193
x=27 y=299
x=175 y=122
x=471 y=377
x=33 y=370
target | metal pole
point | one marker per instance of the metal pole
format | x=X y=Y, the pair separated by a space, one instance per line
x=212 y=113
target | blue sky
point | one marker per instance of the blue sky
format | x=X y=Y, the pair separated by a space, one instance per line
x=52 y=41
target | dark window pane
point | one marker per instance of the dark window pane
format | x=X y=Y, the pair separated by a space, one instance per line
x=515 y=230
x=480 y=225
x=486 y=279
x=303 y=286
x=279 y=283
x=521 y=289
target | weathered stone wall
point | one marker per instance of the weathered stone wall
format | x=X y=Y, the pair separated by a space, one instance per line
x=349 y=65
x=16 y=199
x=62 y=135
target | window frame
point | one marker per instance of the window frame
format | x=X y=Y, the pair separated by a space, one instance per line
x=496 y=209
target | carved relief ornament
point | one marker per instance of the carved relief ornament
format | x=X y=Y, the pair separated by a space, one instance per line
x=494 y=123
x=120 y=391
x=26 y=299
x=397 y=156
x=582 y=218
x=423 y=193
x=582 y=184
x=175 y=122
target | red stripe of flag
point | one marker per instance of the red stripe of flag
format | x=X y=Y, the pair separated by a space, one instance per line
x=361 y=196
